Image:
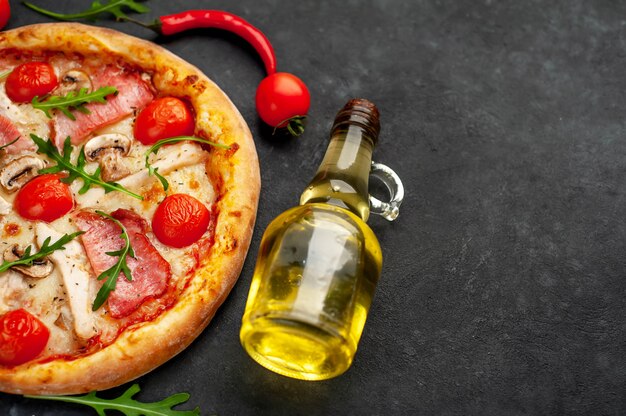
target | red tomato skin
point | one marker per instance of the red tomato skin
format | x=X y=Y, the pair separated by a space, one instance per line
x=164 y=118
x=44 y=198
x=29 y=80
x=280 y=97
x=180 y=220
x=22 y=337
x=5 y=13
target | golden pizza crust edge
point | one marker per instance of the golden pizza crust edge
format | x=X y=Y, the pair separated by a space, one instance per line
x=144 y=346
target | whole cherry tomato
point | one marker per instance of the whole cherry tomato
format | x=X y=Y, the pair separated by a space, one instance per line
x=22 y=337
x=5 y=13
x=44 y=198
x=282 y=100
x=29 y=80
x=180 y=220
x=164 y=118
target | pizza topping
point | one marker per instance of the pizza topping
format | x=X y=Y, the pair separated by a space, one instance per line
x=13 y=287
x=28 y=259
x=180 y=220
x=11 y=139
x=108 y=150
x=38 y=268
x=30 y=80
x=103 y=242
x=19 y=171
x=171 y=158
x=164 y=118
x=5 y=206
x=44 y=198
x=155 y=148
x=133 y=93
x=76 y=279
x=64 y=164
x=22 y=337
x=74 y=80
x=73 y=100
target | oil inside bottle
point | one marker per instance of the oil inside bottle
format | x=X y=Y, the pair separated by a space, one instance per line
x=312 y=287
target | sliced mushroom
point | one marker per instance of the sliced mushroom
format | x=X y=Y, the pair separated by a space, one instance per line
x=108 y=150
x=73 y=80
x=39 y=269
x=19 y=171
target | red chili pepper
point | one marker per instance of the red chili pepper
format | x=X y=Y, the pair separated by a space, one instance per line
x=196 y=19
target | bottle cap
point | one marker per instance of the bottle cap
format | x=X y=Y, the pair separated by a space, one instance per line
x=361 y=112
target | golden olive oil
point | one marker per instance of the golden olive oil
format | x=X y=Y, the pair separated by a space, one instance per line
x=313 y=284
x=319 y=263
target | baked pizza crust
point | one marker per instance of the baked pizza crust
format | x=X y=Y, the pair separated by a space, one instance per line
x=235 y=174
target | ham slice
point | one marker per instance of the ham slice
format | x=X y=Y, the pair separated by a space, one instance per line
x=150 y=271
x=8 y=133
x=133 y=93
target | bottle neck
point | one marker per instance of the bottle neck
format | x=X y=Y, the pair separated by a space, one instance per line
x=343 y=176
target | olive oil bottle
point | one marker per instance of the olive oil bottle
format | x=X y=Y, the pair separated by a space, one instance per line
x=319 y=262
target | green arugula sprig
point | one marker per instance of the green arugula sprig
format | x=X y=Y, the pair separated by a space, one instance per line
x=5 y=74
x=111 y=274
x=155 y=148
x=115 y=7
x=64 y=163
x=127 y=405
x=73 y=100
x=27 y=259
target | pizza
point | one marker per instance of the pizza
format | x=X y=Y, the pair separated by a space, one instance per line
x=129 y=185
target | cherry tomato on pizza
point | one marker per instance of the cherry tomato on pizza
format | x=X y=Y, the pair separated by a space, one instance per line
x=29 y=80
x=180 y=220
x=5 y=13
x=22 y=337
x=283 y=100
x=44 y=198
x=164 y=118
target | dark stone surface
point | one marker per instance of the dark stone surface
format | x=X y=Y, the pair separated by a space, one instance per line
x=503 y=285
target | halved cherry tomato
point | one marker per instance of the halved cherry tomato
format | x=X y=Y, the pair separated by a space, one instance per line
x=180 y=220
x=44 y=198
x=283 y=100
x=29 y=80
x=164 y=118
x=5 y=13
x=22 y=337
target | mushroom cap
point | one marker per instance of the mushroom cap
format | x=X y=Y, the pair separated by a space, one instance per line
x=106 y=143
x=39 y=269
x=20 y=170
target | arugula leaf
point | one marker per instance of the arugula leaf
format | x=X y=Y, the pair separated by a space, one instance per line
x=64 y=163
x=28 y=259
x=112 y=273
x=114 y=7
x=73 y=100
x=127 y=405
x=5 y=74
x=155 y=148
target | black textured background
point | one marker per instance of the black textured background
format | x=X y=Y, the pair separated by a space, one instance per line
x=503 y=284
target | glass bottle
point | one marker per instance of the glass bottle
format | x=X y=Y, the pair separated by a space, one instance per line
x=319 y=262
